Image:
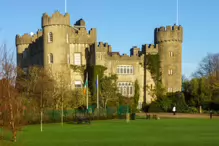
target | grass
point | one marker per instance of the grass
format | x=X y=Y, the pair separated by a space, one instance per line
x=164 y=132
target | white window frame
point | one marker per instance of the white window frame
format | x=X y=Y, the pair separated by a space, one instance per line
x=77 y=62
x=126 y=88
x=50 y=37
x=124 y=69
x=171 y=54
x=50 y=56
x=170 y=72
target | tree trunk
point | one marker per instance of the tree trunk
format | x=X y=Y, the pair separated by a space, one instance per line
x=41 y=112
x=14 y=131
x=62 y=115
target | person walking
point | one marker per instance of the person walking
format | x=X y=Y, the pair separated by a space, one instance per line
x=174 y=110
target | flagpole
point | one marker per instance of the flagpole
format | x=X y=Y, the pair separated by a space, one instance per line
x=97 y=94
x=177 y=12
x=87 y=91
x=65 y=6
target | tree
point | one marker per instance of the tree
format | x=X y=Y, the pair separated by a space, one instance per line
x=62 y=87
x=77 y=98
x=38 y=87
x=108 y=90
x=12 y=106
x=136 y=97
x=209 y=68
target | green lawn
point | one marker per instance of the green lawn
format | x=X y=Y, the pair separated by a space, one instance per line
x=164 y=132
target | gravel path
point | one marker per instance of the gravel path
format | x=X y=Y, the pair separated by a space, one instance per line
x=179 y=115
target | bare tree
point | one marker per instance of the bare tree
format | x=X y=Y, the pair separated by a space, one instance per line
x=62 y=86
x=38 y=88
x=11 y=104
x=209 y=69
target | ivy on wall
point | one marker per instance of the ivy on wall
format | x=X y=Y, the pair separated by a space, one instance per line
x=79 y=69
x=153 y=64
x=93 y=71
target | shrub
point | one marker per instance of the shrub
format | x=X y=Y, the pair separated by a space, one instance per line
x=154 y=107
x=179 y=101
x=211 y=105
x=165 y=104
x=192 y=110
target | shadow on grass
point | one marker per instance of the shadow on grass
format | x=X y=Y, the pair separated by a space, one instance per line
x=76 y=123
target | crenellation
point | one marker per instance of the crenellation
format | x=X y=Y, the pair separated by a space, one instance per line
x=168 y=33
x=82 y=36
x=56 y=19
x=169 y=28
x=103 y=47
x=150 y=48
x=27 y=38
x=80 y=22
x=100 y=44
x=105 y=44
x=24 y=39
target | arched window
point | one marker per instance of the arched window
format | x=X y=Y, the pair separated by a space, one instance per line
x=171 y=54
x=50 y=37
x=50 y=58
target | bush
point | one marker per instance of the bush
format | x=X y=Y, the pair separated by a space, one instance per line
x=165 y=103
x=192 y=110
x=179 y=101
x=154 y=107
x=211 y=105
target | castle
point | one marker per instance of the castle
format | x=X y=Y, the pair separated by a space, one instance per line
x=59 y=44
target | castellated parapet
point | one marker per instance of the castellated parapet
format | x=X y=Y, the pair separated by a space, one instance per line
x=103 y=47
x=27 y=38
x=150 y=48
x=168 y=33
x=56 y=19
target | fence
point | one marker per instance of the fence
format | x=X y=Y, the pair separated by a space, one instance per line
x=52 y=116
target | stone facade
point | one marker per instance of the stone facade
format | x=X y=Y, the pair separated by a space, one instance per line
x=60 y=44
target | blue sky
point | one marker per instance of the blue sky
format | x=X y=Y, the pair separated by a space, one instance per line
x=123 y=23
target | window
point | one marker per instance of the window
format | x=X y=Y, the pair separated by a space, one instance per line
x=125 y=69
x=78 y=84
x=170 y=72
x=50 y=58
x=171 y=54
x=50 y=37
x=125 y=88
x=67 y=38
x=77 y=59
x=170 y=89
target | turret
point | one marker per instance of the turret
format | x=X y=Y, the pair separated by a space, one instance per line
x=169 y=33
x=134 y=51
x=56 y=19
x=56 y=30
x=169 y=40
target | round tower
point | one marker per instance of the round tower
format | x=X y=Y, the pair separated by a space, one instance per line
x=55 y=40
x=22 y=44
x=169 y=40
